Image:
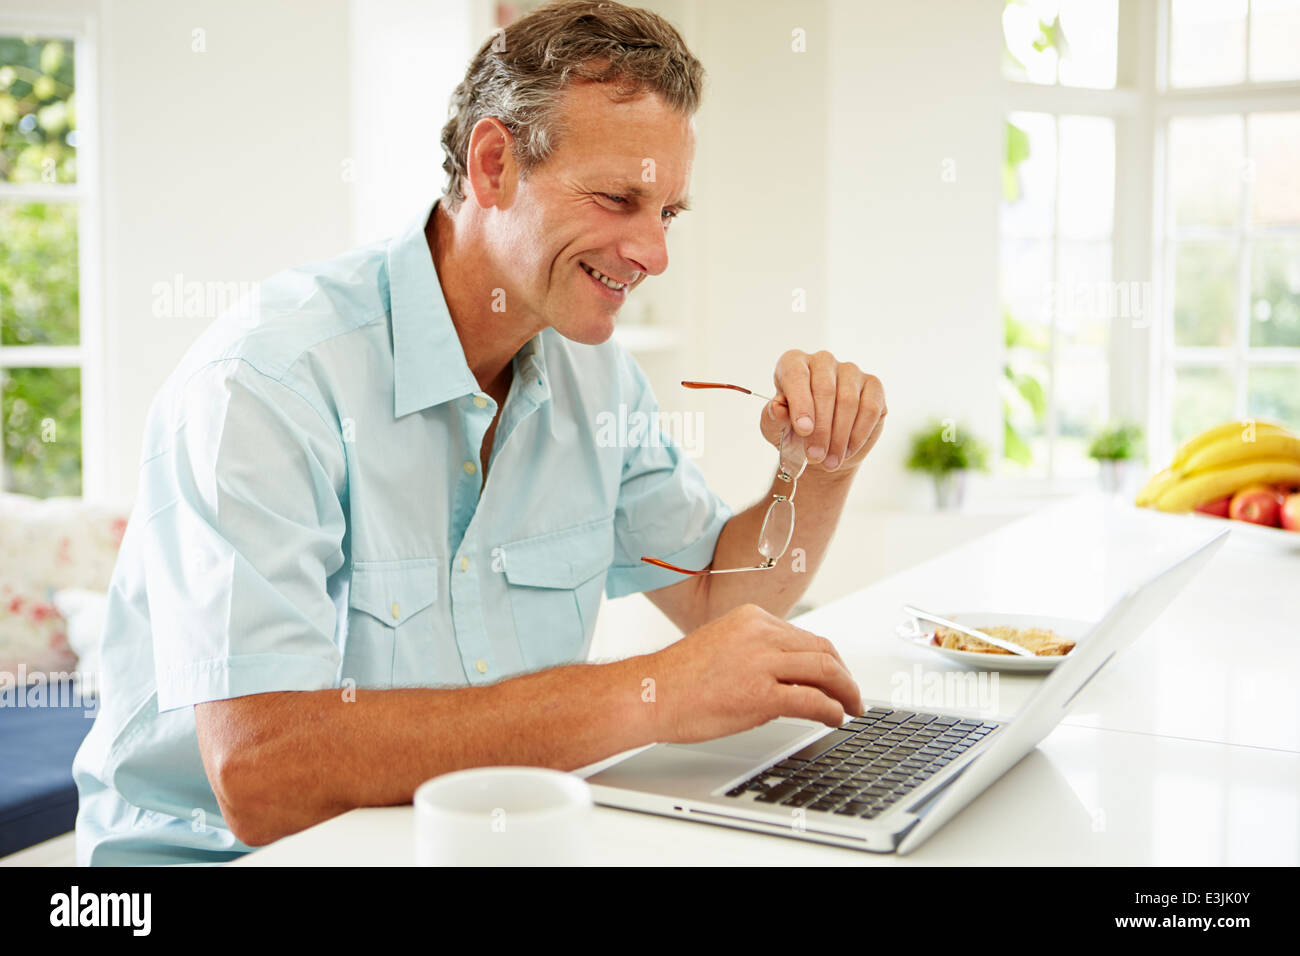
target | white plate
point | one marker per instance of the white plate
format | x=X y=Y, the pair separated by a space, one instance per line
x=1255 y=532
x=1067 y=627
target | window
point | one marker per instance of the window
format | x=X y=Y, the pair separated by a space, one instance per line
x=1151 y=222
x=1230 y=233
x=1057 y=225
x=44 y=217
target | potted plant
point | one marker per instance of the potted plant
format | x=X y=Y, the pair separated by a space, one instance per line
x=946 y=453
x=1116 y=450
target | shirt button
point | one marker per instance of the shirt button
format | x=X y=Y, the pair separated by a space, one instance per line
x=469 y=468
x=464 y=564
x=480 y=401
x=396 y=613
x=481 y=665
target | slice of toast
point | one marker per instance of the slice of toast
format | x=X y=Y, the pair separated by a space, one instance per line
x=1040 y=640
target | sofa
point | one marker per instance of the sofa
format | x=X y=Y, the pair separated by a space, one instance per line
x=56 y=562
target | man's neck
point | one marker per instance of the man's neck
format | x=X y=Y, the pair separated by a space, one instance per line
x=488 y=338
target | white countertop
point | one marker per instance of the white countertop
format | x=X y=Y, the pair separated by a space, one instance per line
x=1186 y=750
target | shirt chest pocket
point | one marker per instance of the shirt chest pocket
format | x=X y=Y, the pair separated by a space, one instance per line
x=391 y=608
x=555 y=583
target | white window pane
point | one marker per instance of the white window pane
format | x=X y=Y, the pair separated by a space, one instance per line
x=1026 y=284
x=1275 y=293
x=1273 y=394
x=1032 y=213
x=1275 y=167
x=1205 y=293
x=1203 y=398
x=1087 y=145
x=1086 y=298
x=1022 y=29
x=1275 y=40
x=1091 y=29
x=1207 y=44
x=1206 y=170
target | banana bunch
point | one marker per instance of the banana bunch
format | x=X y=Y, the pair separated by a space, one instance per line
x=1221 y=461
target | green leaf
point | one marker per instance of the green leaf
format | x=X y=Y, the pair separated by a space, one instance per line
x=1014 y=447
x=51 y=57
x=1051 y=36
x=1031 y=389
x=1017 y=152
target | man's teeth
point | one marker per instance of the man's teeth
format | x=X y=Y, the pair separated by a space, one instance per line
x=603 y=278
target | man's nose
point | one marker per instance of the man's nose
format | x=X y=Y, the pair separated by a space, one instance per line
x=647 y=245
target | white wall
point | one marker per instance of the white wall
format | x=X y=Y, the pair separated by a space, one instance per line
x=912 y=257
x=405 y=59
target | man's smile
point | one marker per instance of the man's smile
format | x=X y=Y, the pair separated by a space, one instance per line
x=618 y=290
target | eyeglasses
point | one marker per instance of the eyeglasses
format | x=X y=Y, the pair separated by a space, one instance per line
x=778 y=524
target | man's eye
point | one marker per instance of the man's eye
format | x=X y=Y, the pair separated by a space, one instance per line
x=671 y=213
x=615 y=198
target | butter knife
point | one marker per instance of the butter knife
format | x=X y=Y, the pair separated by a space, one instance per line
x=969 y=631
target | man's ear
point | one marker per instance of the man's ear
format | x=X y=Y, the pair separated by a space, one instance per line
x=490 y=162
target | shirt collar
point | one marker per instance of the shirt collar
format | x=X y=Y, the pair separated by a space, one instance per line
x=429 y=365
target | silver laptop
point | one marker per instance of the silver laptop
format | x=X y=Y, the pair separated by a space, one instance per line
x=887 y=780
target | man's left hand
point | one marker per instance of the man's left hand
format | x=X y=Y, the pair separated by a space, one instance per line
x=837 y=408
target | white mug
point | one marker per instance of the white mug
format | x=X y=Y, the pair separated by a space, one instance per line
x=503 y=816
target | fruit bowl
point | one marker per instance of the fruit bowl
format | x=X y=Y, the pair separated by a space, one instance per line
x=1245 y=471
x=1289 y=540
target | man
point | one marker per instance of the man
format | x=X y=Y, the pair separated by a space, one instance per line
x=375 y=521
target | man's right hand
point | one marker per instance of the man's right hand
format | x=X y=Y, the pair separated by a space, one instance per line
x=742 y=670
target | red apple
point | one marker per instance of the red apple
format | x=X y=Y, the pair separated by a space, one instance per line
x=1258 y=504
x=1290 y=512
x=1218 y=507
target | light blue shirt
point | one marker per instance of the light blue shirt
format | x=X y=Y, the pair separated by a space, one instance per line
x=311 y=513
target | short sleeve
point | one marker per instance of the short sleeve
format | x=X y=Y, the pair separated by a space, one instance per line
x=245 y=526
x=665 y=509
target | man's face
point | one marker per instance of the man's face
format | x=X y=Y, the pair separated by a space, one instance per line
x=581 y=210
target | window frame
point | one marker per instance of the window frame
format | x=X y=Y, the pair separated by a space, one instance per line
x=1169 y=102
x=1123 y=106
x=1141 y=357
x=88 y=354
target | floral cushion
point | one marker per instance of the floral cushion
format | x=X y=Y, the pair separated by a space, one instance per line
x=49 y=544
x=33 y=635
x=59 y=542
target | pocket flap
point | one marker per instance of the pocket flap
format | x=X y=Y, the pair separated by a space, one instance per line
x=560 y=559
x=394 y=590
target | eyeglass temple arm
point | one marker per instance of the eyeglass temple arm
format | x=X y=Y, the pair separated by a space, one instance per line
x=724 y=385
x=672 y=567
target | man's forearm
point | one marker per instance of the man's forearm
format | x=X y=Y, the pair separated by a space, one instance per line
x=281 y=762
x=819 y=502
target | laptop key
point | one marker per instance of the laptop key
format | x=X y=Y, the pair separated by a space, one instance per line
x=799 y=799
x=822 y=744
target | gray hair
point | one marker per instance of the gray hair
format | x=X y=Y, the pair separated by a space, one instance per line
x=519 y=75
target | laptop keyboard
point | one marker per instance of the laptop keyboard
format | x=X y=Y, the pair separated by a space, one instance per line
x=867 y=765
